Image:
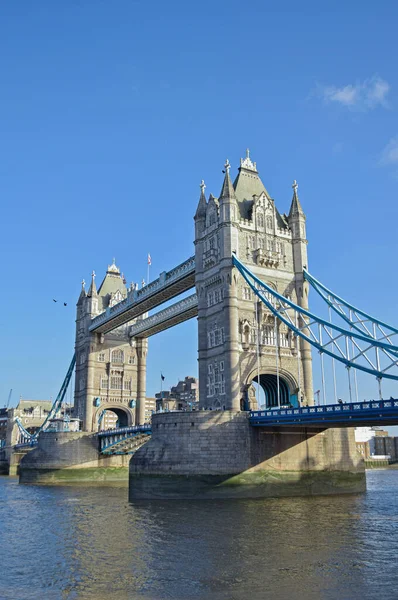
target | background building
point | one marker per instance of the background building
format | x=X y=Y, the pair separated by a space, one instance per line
x=183 y=396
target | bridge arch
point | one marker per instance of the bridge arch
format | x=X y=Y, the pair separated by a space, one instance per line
x=288 y=387
x=124 y=416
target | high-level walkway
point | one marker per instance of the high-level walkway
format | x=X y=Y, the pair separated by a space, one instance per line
x=167 y=286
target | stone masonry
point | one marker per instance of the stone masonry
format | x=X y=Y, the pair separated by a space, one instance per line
x=245 y=221
x=110 y=368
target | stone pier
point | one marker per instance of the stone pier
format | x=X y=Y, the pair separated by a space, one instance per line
x=217 y=454
x=71 y=457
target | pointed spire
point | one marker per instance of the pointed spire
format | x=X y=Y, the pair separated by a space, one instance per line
x=93 y=288
x=227 y=190
x=295 y=207
x=202 y=204
x=82 y=293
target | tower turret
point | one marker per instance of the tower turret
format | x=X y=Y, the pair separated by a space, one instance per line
x=200 y=215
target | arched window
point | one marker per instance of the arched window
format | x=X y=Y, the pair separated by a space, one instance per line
x=260 y=220
x=117 y=356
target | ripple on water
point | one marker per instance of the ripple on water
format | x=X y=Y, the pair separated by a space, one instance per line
x=86 y=543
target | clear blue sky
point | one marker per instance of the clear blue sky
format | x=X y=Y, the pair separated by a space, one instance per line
x=112 y=113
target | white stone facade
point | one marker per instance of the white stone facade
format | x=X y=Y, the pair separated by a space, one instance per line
x=244 y=220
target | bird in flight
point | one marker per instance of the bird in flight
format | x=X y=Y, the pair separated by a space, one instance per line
x=55 y=300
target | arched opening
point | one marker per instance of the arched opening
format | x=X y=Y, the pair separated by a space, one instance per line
x=271 y=397
x=112 y=418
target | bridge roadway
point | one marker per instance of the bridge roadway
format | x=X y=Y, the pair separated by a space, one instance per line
x=355 y=414
x=126 y=440
x=167 y=286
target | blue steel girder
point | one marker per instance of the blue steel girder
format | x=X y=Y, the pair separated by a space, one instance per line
x=167 y=286
x=356 y=318
x=121 y=440
x=55 y=407
x=355 y=414
x=327 y=337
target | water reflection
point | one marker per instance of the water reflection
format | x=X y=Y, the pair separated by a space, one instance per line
x=85 y=543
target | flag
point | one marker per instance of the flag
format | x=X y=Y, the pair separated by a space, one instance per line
x=162 y=377
x=149 y=260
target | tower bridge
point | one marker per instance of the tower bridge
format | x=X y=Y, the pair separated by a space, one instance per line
x=255 y=332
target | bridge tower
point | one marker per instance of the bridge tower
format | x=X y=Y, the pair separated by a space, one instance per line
x=110 y=368
x=239 y=340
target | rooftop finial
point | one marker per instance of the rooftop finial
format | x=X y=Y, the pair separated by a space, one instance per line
x=227 y=166
x=83 y=284
x=247 y=162
x=295 y=186
x=114 y=261
x=93 y=274
x=202 y=186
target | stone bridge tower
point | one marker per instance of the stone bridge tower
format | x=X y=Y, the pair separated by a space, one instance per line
x=239 y=339
x=110 y=368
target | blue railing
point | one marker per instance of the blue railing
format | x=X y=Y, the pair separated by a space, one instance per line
x=350 y=414
x=125 y=430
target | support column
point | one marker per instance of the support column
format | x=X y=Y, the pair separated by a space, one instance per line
x=88 y=424
x=142 y=350
x=232 y=346
x=305 y=348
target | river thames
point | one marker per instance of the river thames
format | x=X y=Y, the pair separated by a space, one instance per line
x=90 y=543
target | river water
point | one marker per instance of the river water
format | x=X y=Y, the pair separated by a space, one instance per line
x=90 y=543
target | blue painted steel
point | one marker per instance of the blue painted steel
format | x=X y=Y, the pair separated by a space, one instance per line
x=248 y=276
x=349 y=415
x=109 y=440
x=97 y=402
x=320 y=288
x=55 y=407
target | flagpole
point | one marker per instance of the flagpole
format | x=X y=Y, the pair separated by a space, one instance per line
x=161 y=389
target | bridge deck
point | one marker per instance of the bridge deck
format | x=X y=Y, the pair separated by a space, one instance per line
x=355 y=414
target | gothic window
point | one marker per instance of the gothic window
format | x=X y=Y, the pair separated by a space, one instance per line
x=215 y=336
x=210 y=369
x=127 y=384
x=212 y=218
x=260 y=220
x=222 y=384
x=116 y=382
x=210 y=298
x=104 y=383
x=284 y=339
x=117 y=356
x=82 y=358
x=251 y=241
x=211 y=243
x=247 y=293
x=269 y=223
x=101 y=357
x=131 y=359
x=268 y=335
x=221 y=365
